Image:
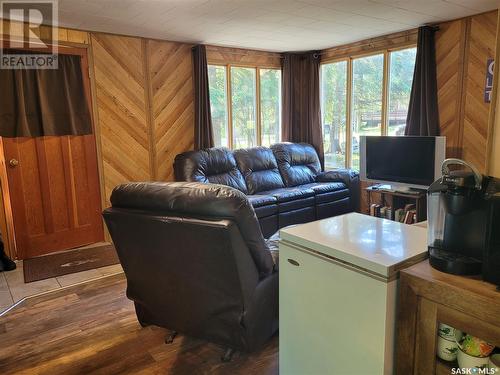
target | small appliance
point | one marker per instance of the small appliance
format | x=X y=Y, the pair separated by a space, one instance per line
x=463 y=211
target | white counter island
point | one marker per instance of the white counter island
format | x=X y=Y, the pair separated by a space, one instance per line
x=338 y=291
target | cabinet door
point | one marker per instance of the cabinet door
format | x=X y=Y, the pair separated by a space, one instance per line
x=333 y=320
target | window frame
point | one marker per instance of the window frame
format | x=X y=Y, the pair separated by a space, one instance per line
x=385 y=89
x=229 y=102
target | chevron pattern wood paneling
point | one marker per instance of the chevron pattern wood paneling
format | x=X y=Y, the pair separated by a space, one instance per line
x=172 y=103
x=121 y=102
x=462 y=50
x=475 y=128
x=449 y=83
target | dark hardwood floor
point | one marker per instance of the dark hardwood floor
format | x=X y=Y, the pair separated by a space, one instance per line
x=92 y=329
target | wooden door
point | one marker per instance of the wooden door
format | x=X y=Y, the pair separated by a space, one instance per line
x=54 y=187
x=54 y=191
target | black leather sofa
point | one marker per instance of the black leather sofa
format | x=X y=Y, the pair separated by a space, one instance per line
x=196 y=261
x=284 y=183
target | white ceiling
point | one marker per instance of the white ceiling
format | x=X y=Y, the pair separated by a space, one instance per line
x=274 y=25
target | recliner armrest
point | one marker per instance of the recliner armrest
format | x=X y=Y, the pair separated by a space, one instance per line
x=348 y=177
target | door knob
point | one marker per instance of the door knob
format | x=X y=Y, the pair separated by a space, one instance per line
x=13 y=163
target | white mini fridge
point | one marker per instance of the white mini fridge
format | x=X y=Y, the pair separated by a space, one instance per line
x=338 y=293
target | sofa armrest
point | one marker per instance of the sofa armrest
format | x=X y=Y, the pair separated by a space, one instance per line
x=349 y=177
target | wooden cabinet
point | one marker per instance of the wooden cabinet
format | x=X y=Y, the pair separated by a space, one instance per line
x=428 y=297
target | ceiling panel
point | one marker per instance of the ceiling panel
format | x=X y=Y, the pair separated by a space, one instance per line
x=275 y=25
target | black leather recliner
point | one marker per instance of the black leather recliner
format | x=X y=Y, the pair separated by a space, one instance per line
x=196 y=261
x=284 y=183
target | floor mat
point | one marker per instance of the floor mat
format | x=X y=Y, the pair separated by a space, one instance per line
x=58 y=264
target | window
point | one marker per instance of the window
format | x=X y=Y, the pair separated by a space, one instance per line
x=400 y=80
x=243 y=102
x=218 y=103
x=334 y=112
x=252 y=115
x=367 y=92
x=270 y=106
x=366 y=95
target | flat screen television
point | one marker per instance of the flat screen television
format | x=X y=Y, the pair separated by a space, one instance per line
x=403 y=161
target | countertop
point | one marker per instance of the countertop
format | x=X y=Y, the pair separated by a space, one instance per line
x=374 y=244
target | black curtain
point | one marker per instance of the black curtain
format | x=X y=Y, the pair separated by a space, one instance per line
x=40 y=102
x=423 y=115
x=203 y=132
x=301 y=102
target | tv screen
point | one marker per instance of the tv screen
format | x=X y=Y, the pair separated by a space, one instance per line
x=408 y=160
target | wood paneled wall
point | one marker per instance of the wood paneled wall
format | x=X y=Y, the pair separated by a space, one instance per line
x=462 y=50
x=450 y=42
x=494 y=165
x=243 y=57
x=395 y=40
x=145 y=100
x=172 y=103
x=65 y=36
x=482 y=42
x=493 y=145
x=122 y=109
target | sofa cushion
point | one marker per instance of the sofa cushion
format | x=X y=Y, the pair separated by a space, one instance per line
x=199 y=200
x=296 y=204
x=333 y=208
x=325 y=187
x=289 y=194
x=290 y=199
x=259 y=168
x=212 y=165
x=302 y=215
x=332 y=196
x=350 y=178
x=298 y=163
x=328 y=191
x=268 y=224
x=264 y=205
x=264 y=211
x=259 y=200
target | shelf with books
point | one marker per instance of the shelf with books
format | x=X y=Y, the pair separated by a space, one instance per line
x=408 y=208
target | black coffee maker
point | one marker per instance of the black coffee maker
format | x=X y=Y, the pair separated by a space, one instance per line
x=463 y=212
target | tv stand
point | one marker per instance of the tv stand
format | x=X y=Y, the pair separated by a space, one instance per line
x=405 y=189
x=386 y=188
x=395 y=198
